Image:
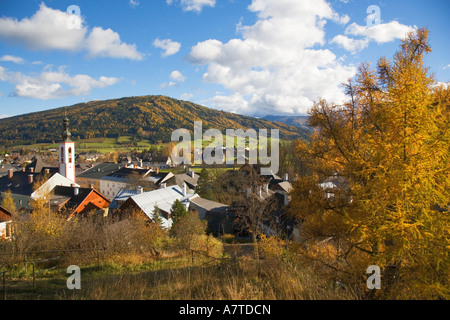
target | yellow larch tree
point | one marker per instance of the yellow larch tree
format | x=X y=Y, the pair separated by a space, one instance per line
x=387 y=151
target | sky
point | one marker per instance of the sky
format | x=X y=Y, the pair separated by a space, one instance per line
x=252 y=57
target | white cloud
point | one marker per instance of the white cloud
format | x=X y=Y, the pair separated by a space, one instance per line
x=381 y=33
x=51 y=84
x=193 y=5
x=106 y=43
x=446 y=67
x=134 y=3
x=349 y=44
x=14 y=59
x=48 y=29
x=170 y=47
x=186 y=96
x=275 y=66
x=177 y=76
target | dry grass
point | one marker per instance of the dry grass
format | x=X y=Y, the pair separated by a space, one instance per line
x=247 y=279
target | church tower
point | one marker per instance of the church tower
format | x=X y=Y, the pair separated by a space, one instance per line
x=67 y=153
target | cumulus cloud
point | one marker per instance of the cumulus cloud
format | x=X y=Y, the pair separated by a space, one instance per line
x=169 y=47
x=186 y=96
x=193 y=5
x=175 y=78
x=48 y=29
x=276 y=65
x=381 y=33
x=15 y=59
x=50 y=84
x=350 y=44
x=106 y=43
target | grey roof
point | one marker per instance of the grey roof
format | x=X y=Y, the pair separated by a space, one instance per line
x=125 y=173
x=123 y=195
x=100 y=170
x=182 y=178
x=19 y=184
x=286 y=186
x=208 y=204
x=163 y=199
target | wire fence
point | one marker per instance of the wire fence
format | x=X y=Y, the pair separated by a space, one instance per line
x=36 y=264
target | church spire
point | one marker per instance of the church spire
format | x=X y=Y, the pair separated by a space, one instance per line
x=66 y=133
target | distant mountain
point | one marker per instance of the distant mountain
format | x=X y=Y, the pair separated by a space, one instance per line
x=150 y=117
x=297 y=121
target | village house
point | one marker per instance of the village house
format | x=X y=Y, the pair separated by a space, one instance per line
x=158 y=161
x=191 y=179
x=5 y=224
x=91 y=178
x=77 y=201
x=111 y=184
x=146 y=202
x=23 y=189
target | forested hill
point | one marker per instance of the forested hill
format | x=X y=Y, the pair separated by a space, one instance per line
x=149 y=117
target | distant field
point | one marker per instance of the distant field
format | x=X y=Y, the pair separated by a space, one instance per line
x=102 y=145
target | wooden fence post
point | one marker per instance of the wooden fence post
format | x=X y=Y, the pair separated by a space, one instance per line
x=4 y=285
x=34 y=277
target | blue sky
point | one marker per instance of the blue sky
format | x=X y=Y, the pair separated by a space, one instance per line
x=253 y=57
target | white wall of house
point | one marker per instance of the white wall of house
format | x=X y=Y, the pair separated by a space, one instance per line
x=3 y=230
x=111 y=188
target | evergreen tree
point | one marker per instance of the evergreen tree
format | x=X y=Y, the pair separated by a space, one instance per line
x=157 y=216
x=204 y=185
x=178 y=210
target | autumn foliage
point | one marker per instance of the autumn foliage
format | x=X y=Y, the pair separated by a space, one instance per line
x=387 y=152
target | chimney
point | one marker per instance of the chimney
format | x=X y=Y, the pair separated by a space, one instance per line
x=259 y=192
x=23 y=169
x=147 y=167
x=31 y=169
x=76 y=191
x=286 y=177
x=47 y=171
x=286 y=200
x=192 y=174
x=140 y=190
x=92 y=186
x=184 y=189
x=266 y=188
x=157 y=170
x=30 y=178
x=10 y=173
x=164 y=185
x=249 y=192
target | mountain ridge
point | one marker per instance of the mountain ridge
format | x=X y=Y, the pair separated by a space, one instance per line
x=152 y=117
